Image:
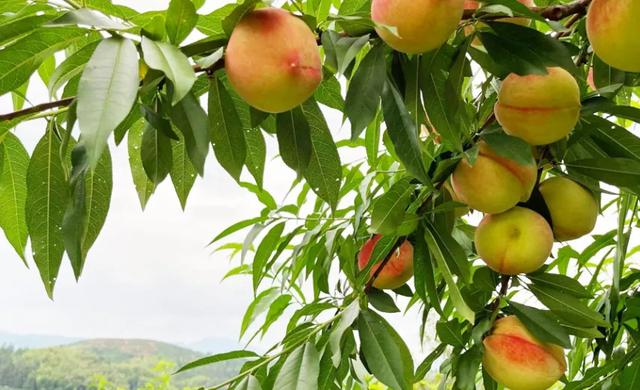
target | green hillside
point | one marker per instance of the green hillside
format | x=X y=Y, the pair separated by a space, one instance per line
x=105 y=364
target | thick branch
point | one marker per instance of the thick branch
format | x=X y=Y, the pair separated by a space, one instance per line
x=553 y=12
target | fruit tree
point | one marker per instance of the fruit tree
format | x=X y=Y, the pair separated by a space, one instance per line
x=492 y=182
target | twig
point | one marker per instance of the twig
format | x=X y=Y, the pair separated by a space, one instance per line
x=504 y=288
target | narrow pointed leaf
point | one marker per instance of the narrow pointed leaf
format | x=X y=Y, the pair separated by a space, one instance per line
x=144 y=186
x=156 y=154
x=294 y=139
x=189 y=117
x=183 y=174
x=300 y=370
x=180 y=20
x=107 y=91
x=13 y=193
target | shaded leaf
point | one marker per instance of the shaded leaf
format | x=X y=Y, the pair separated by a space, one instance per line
x=294 y=139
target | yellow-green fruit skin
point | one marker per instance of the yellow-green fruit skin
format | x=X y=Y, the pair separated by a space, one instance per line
x=540 y=109
x=493 y=184
x=514 y=242
x=613 y=30
x=573 y=208
x=422 y=25
x=518 y=360
x=272 y=60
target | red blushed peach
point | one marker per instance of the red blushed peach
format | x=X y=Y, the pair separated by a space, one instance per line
x=514 y=242
x=396 y=272
x=422 y=25
x=613 y=30
x=519 y=361
x=272 y=60
x=493 y=184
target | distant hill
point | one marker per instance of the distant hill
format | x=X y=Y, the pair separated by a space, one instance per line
x=106 y=364
x=34 y=340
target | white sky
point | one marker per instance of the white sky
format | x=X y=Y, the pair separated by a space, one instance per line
x=149 y=275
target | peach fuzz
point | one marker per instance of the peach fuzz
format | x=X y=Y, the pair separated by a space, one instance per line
x=272 y=60
x=422 y=25
x=540 y=109
x=396 y=272
x=518 y=360
x=572 y=207
x=613 y=30
x=493 y=184
x=514 y=242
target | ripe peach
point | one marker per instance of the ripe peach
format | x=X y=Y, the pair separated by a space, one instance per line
x=422 y=25
x=613 y=30
x=573 y=208
x=272 y=60
x=518 y=360
x=540 y=109
x=397 y=271
x=493 y=184
x=514 y=242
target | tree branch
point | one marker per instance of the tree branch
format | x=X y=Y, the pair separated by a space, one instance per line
x=553 y=12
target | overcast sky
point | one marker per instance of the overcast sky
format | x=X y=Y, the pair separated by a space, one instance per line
x=150 y=275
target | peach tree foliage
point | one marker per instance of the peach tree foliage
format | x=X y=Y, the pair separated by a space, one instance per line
x=115 y=74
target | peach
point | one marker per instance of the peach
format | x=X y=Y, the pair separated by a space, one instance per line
x=272 y=60
x=396 y=272
x=613 y=30
x=514 y=242
x=493 y=184
x=540 y=109
x=518 y=360
x=458 y=211
x=572 y=207
x=422 y=25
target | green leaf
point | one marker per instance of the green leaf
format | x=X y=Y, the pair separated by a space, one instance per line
x=630 y=378
x=46 y=201
x=382 y=301
x=229 y=22
x=256 y=153
x=329 y=93
x=89 y=17
x=621 y=172
x=275 y=311
x=211 y=24
x=450 y=332
x=189 y=117
x=257 y=307
x=226 y=130
x=107 y=91
x=390 y=208
x=324 y=172
x=562 y=283
x=365 y=89
x=541 y=324
x=45 y=70
x=301 y=370
x=16 y=28
x=181 y=18
x=13 y=192
x=236 y=227
x=423 y=272
x=341 y=51
x=403 y=133
x=294 y=139
x=347 y=317
x=454 y=292
x=510 y=147
x=612 y=138
x=264 y=251
x=144 y=186
x=220 y=357
x=156 y=153
x=424 y=367
x=19 y=60
x=71 y=67
x=183 y=174
x=173 y=63
x=467 y=368
x=386 y=354
x=568 y=307
x=249 y=383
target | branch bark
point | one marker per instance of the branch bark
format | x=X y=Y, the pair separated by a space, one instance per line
x=553 y=12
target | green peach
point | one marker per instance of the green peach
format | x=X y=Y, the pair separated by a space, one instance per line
x=573 y=208
x=514 y=242
x=540 y=109
x=613 y=30
x=272 y=60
